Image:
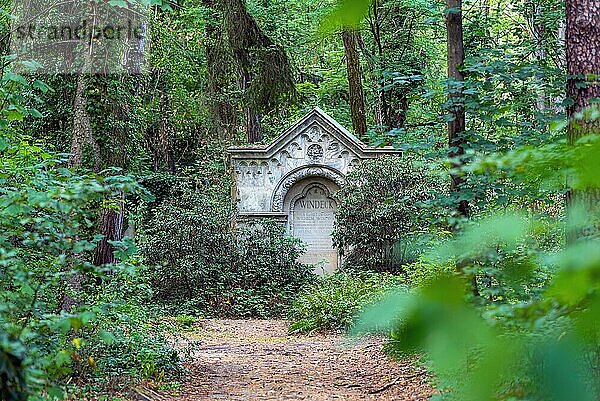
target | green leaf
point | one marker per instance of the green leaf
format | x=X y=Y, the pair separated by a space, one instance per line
x=107 y=337
x=11 y=76
x=346 y=14
x=13 y=115
x=56 y=393
x=75 y=323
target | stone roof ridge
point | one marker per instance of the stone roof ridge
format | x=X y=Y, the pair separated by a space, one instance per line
x=315 y=116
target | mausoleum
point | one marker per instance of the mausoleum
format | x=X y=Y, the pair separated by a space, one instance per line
x=293 y=180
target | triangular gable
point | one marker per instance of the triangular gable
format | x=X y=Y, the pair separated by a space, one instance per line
x=315 y=118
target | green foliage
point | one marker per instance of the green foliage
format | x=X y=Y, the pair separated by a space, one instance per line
x=53 y=309
x=186 y=321
x=127 y=343
x=423 y=271
x=333 y=302
x=13 y=382
x=345 y=14
x=381 y=210
x=200 y=262
x=518 y=321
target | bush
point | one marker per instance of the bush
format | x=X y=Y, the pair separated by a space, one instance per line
x=134 y=347
x=334 y=301
x=422 y=272
x=126 y=340
x=47 y=236
x=380 y=211
x=203 y=266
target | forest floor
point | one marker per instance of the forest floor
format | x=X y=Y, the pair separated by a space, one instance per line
x=259 y=360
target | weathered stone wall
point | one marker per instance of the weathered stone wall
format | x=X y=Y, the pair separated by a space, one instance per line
x=291 y=178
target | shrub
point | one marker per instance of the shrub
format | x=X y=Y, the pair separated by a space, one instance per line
x=379 y=210
x=203 y=266
x=334 y=301
x=126 y=340
x=422 y=272
x=47 y=227
x=133 y=348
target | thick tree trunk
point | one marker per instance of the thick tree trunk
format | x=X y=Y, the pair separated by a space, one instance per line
x=583 y=62
x=82 y=128
x=256 y=54
x=583 y=84
x=111 y=227
x=111 y=217
x=456 y=127
x=356 y=96
x=222 y=111
x=81 y=138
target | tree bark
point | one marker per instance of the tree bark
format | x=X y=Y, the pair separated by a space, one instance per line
x=222 y=111
x=158 y=135
x=356 y=96
x=111 y=227
x=82 y=135
x=164 y=128
x=456 y=127
x=583 y=62
x=583 y=84
x=252 y=117
x=538 y=35
x=381 y=103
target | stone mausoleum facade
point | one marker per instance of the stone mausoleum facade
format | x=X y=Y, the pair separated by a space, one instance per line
x=293 y=180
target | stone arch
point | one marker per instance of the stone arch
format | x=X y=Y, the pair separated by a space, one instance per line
x=311 y=210
x=326 y=190
x=288 y=181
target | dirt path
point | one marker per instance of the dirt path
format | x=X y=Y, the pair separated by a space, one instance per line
x=258 y=360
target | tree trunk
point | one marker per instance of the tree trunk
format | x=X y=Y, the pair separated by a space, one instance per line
x=164 y=127
x=583 y=84
x=82 y=128
x=252 y=118
x=222 y=111
x=538 y=34
x=583 y=62
x=81 y=138
x=256 y=54
x=456 y=127
x=111 y=227
x=356 y=96
x=381 y=103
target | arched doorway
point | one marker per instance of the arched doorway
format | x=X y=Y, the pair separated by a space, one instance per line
x=311 y=210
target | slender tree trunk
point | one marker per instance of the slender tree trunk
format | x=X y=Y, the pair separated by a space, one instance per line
x=583 y=84
x=158 y=135
x=456 y=127
x=252 y=117
x=381 y=103
x=356 y=98
x=538 y=35
x=164 y=127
